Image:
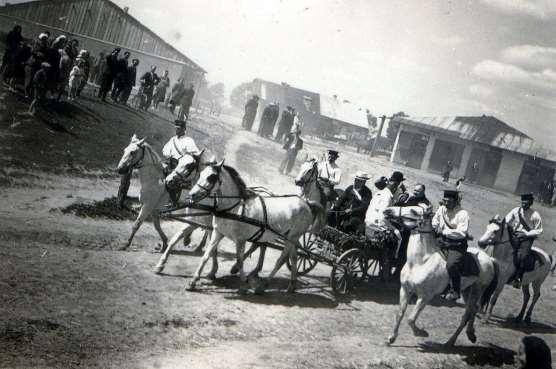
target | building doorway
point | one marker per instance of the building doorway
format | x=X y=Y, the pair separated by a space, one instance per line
x=443 y=152
x=483 y=166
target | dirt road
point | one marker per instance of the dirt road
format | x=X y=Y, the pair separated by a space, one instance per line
x=69 y=300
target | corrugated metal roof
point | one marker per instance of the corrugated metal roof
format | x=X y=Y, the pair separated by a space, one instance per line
x=335 y=108
x=483 y=129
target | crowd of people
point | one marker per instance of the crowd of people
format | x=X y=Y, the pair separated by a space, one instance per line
x=55 y=67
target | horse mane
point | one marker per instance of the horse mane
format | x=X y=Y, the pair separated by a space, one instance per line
x=244 y=191
x=153 y=153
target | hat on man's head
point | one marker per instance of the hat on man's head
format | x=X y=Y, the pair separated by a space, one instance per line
x=381 y=182
x=180 y=123
x=451 y=194
x=527 y=197
x=43 y=36
x=333 y=153
x=397 y=177
x=362 y=175
x=117 y=49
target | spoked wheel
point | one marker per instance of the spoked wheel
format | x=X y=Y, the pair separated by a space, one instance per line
x=374 y=268
x=309 y=241
x=348 y=271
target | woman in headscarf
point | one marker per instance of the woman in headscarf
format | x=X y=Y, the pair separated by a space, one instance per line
x=534 y=353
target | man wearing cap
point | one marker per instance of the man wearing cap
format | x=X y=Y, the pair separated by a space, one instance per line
x=451 y=224
x=525 y=224
x=174 y=149
x=292 y=145
x=329 y=174
x=349 y=211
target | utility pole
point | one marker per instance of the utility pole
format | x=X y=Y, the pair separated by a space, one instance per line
x=379 y=133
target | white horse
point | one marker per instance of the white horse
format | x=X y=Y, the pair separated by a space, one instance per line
x=153 y=194
x=425 y=275
x=289 y=217
x=310 y=191
x=497 y=239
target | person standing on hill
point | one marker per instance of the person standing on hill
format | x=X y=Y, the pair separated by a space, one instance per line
x=130 y=80
x=285 y=124
x=186 y=101
x=108 y=74
x=292 y=145
x=250 y=112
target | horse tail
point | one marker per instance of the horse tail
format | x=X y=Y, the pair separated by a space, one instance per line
x=317 y=211
x=489 y=291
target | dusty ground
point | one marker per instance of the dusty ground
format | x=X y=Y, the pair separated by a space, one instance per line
x=69 y=300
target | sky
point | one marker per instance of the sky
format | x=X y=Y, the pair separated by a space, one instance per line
x=423 y=57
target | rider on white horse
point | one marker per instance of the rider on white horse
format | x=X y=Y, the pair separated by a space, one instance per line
x=451 y=224
x=330 y=174
x=175 y=148
x=526 y=225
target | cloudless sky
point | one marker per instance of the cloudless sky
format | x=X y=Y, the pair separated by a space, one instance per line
x=424 y=57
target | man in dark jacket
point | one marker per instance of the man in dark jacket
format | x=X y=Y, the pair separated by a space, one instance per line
x=130 y=79
x=108 y=74
x=286 y=122
x=265 y=119
x=250 y=113
x=148 y=81
x=13 y=40
x=186 y=101
x=348 y=213
x=293 y=144
x=273 y=119
x=177 y=92
x=120 y=77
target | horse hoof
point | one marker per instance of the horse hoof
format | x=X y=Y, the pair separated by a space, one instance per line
x=190 y=286
x=420 y=333
x=391 y=340
x=158 y=269
x=472 y=337
x=123 y=247
x=234 y=270
x=450 y=343
x=211 y=277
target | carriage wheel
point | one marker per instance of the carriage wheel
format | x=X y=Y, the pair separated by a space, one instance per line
x=304 y=261
x=374 y=268
x=348 y=270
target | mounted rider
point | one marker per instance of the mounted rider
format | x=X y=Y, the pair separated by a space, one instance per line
x=451 y=224
x=525 y=225
x=348 y=213
x=175 y=148
x=329 y=175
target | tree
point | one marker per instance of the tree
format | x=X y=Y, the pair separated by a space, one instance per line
x=239 y=93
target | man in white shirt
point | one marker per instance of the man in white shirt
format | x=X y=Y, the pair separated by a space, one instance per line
x=451 y=224
x=526 y=226
x=329 y=174
x=175 y=148
x=382 y=200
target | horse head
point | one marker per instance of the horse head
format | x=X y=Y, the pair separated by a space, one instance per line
x=209 y=181
x=133 y=155
x=308 y=173
x=492 y=233
x=410 y=217
x=189 y=166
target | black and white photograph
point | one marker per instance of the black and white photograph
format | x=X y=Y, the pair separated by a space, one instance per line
x=277 y=184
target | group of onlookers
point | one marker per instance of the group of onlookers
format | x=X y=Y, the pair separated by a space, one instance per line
x=546 y=192
x=57 y=66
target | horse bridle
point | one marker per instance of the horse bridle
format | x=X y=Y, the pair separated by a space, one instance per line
x=138 y=164
x=185 y=178
x=403 y=217
x=502 y=226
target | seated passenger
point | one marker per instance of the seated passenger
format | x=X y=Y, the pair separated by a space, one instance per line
x=348 y=213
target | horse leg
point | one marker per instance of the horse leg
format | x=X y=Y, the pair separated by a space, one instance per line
x=474 y=298
x=404 y=300
x=526 y=296
x=281 y=260
x=255 y=272
x=470 y=308
x=240 y=250
x=143 y=213
x=412 y=320
x=293 y=271
x=173 y=241
x=214 y=240
x=214 y=269
x=536 y=294
x=156 y=223
x=235 y=268
x=206 y=236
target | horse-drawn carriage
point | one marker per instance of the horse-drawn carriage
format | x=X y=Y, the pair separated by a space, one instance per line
x=353 y=257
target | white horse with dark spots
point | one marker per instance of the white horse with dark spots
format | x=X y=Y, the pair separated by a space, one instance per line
x=425 y=275
x=153 y=194
x=496 y=240
x=284 y=218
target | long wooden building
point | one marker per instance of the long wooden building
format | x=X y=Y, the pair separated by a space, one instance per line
x=100 y=26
